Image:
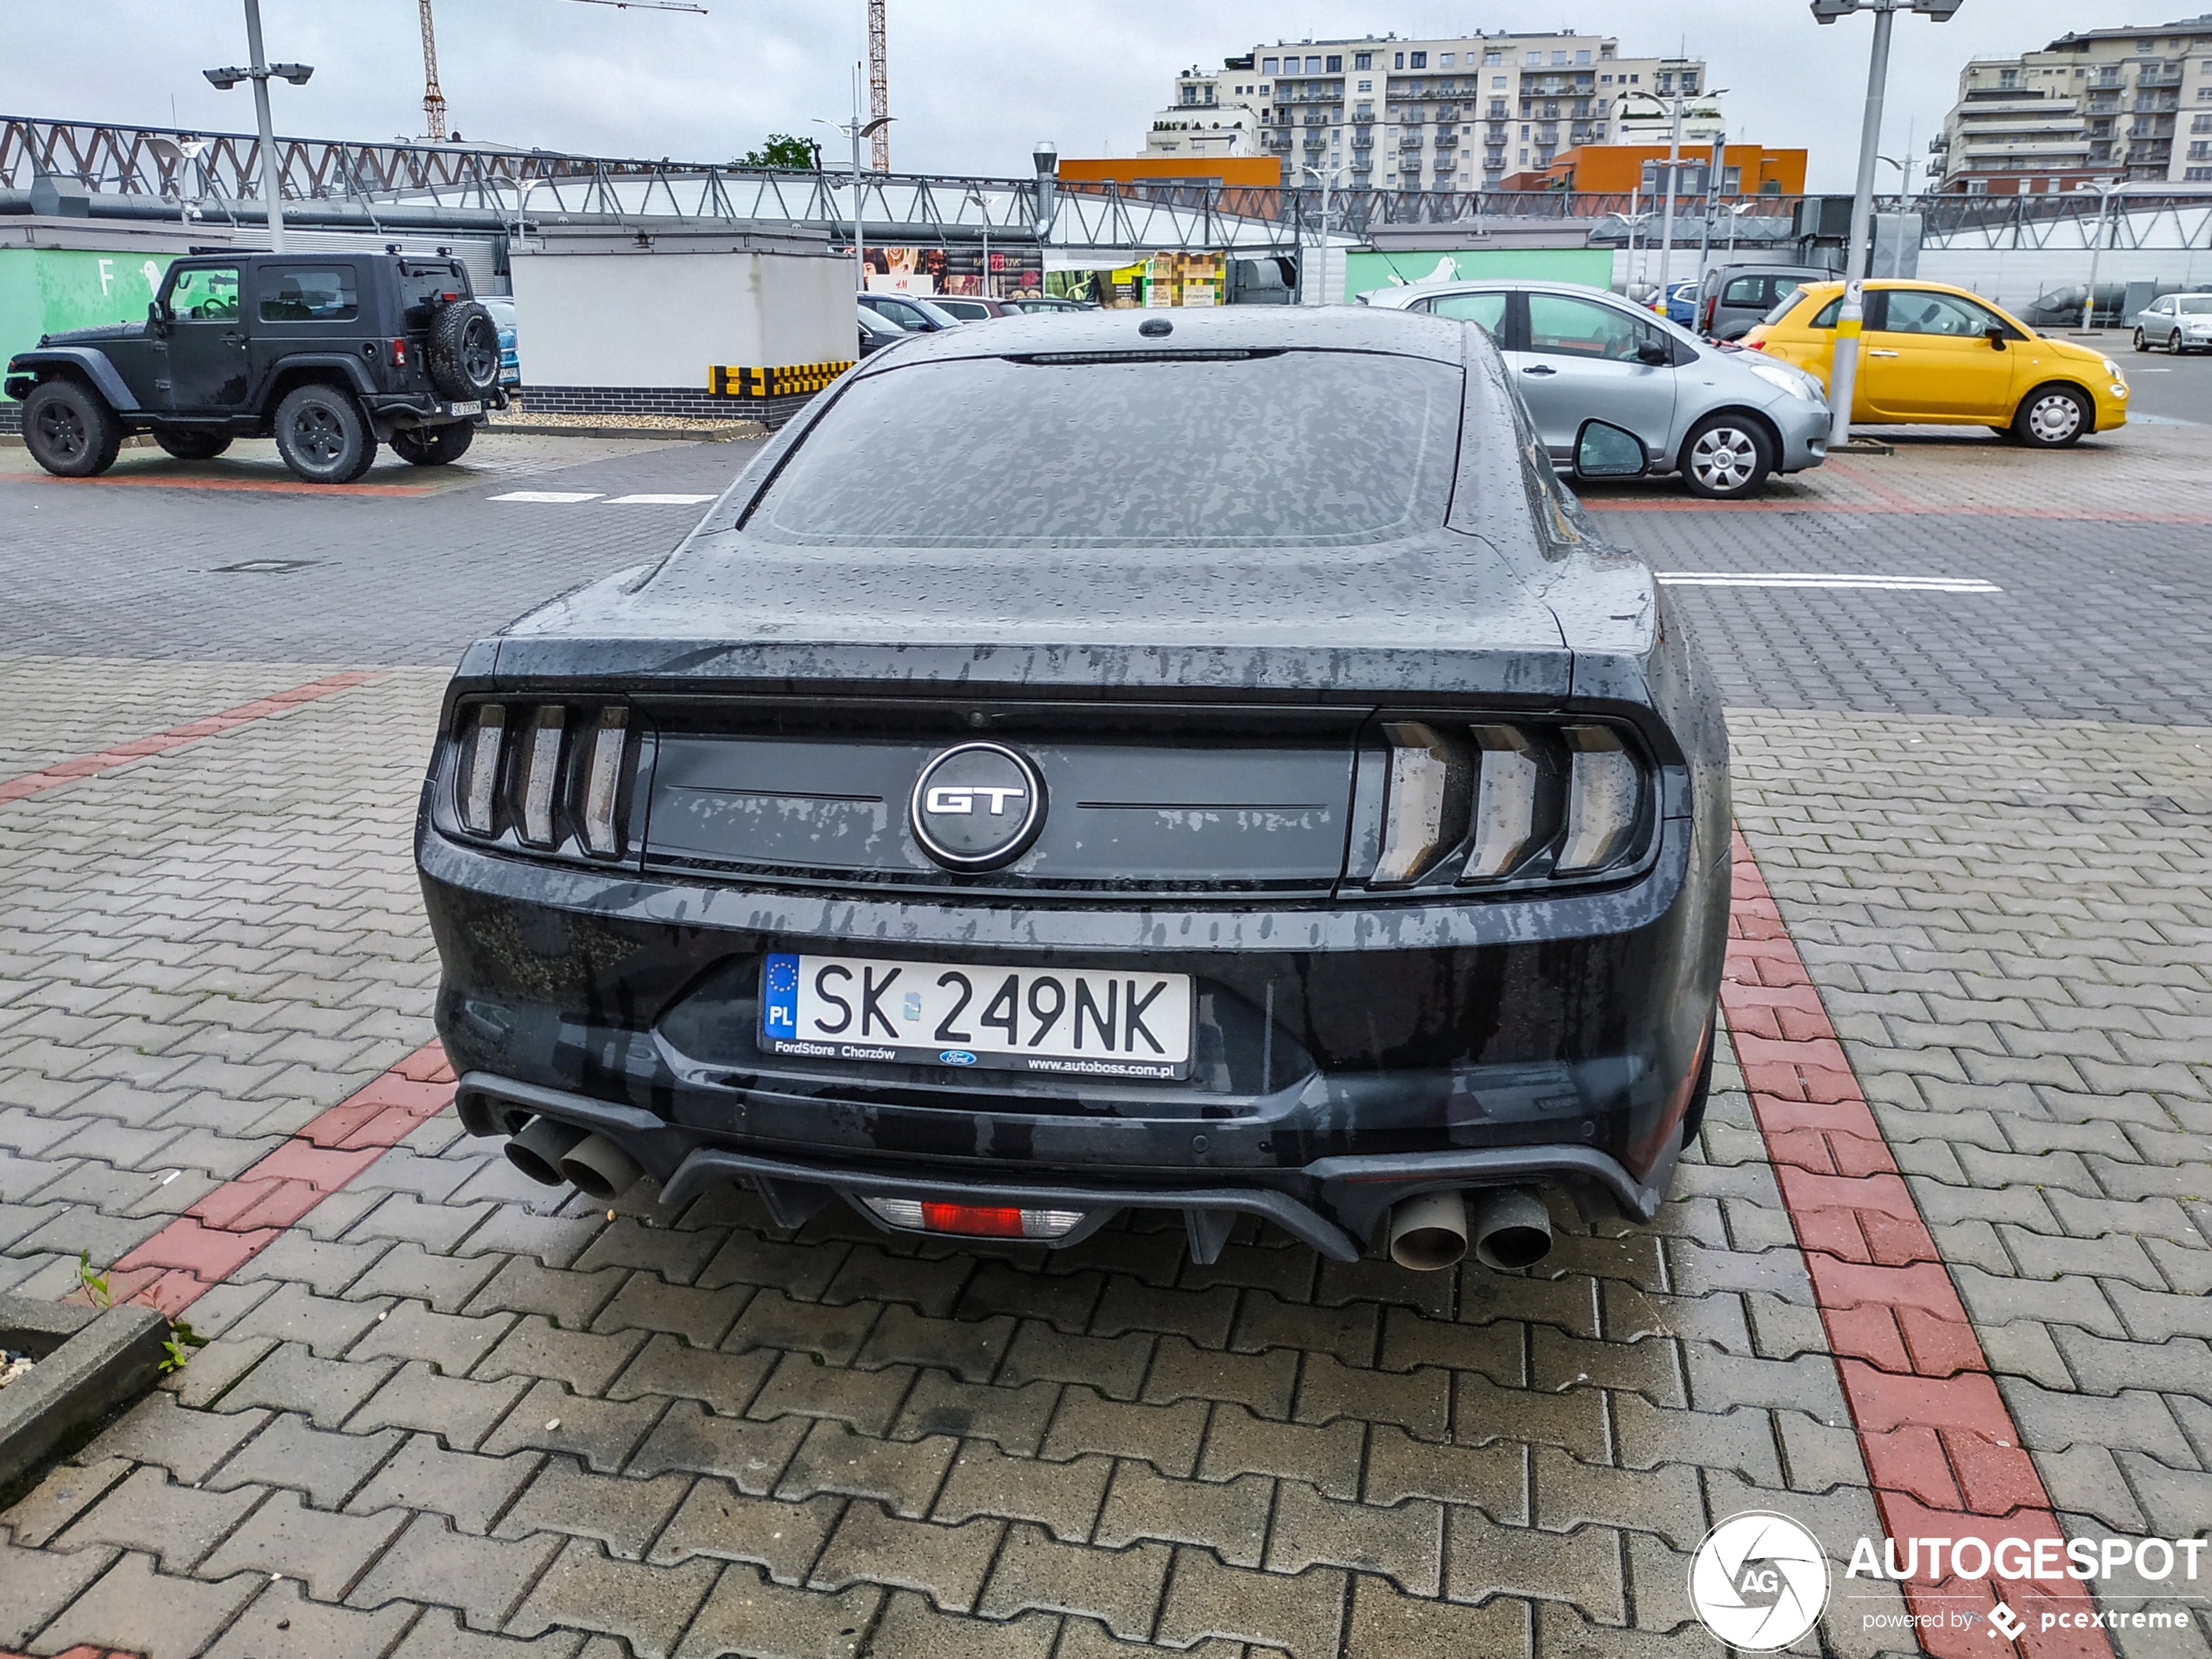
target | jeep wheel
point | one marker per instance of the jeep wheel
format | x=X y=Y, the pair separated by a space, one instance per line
x=463 y=352
x=433 y=446
x=70 y=430
x=321 y=435
x=193 y=446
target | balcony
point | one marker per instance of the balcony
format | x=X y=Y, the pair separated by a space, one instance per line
x=2165 y=75
x=2157 y=101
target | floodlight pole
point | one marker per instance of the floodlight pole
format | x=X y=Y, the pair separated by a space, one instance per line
x=1843 y=380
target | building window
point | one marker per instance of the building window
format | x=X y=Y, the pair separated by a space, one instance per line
x=1420 y=60
x=2197 y=175
x=1582 y=57
x=1363 y=60
x=2201 y=152
x=1269 y=66
x=1535 y=60
x=2201 y=123
x=1559 y=57
x=1398 y=60
x=1336 y=65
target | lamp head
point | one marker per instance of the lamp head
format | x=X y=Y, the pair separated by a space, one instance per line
x=296 y=73
x=1047 y=158
x=223 y=79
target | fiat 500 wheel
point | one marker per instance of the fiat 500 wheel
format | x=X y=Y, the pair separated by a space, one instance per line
x=2053 y=418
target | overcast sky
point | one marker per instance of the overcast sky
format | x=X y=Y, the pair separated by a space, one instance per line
x=972 y=85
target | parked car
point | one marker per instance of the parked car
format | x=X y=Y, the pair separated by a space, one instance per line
x=1724 y=422
x=971 y=307
x=1040 y=304
x=1932 y=355
x=1681 y=304
x=326 y=352
x=1334 y=835
x=502 y=315
x=910 y=312
x=2179 y=322
x=1733 y=297
x=877 y=332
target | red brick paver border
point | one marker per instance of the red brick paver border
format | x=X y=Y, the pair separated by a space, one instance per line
x=230 y=1225
x=1941 y=1448
x=64 y=771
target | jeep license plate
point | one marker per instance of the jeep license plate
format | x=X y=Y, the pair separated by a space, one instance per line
x=475 y=408
x=1076 y=1023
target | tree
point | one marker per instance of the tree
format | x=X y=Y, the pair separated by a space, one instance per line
x=793 y=155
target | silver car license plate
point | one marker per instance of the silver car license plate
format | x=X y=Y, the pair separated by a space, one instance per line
x=474 y=407
x=1074 y=1021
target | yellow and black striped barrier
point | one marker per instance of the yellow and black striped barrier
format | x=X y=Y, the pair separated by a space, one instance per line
x=792 y=380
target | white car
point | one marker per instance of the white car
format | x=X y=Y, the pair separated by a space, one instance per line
x=1726 y=420
x=2179 y=322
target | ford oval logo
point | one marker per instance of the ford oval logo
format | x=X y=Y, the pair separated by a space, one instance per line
x=976 y=806
x=957 y=1057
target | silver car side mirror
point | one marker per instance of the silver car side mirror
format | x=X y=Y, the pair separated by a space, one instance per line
x=1603 y=450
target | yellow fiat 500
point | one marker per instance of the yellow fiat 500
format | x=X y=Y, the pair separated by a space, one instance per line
x=1934 y=355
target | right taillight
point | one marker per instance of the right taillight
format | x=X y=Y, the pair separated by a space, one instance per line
x=1507 y=803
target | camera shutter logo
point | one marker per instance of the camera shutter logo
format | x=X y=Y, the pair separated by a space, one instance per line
x=976 y=806
x=1759 y=1582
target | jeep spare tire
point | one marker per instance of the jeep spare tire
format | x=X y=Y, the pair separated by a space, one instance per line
x=463 y=352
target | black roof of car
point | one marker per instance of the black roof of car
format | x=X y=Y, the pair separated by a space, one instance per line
x=1209 y=328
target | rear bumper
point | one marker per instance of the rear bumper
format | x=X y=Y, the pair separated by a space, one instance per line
x=1346 y=1064
x=1332 y=1205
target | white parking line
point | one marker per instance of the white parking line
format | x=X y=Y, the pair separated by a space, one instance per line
x=658 y=500
x=558 y=496
x=1803 y=579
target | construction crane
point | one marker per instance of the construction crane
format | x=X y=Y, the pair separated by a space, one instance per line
x=879 y=89
x=434 y=101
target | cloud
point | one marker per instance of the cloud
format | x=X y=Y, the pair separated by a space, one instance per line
x=972 y=87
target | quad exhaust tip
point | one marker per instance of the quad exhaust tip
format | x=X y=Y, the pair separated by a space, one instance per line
x=538 y=1147
x=1507 y=1228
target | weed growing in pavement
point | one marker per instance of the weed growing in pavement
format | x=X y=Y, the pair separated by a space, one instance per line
x=93 y=1284
x=176 y=1348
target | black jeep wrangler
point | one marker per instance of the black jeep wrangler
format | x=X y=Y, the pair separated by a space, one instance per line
x=328 y=354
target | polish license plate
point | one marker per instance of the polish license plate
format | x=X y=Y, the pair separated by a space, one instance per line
x=1075 y=1023
x=474 y=407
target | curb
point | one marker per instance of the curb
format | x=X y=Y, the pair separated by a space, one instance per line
x=89 y=1362
x=724 y=432
x=1863 y=447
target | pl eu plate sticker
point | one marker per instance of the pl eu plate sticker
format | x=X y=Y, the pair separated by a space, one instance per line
x=780 y=996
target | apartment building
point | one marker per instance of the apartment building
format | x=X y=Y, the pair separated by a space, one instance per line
x=2102 y=103
x=1389 y=113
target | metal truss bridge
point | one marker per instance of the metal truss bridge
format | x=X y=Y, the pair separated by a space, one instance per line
x=156 y=171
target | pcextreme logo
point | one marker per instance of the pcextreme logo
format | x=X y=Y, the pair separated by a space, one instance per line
x=1759 y=1582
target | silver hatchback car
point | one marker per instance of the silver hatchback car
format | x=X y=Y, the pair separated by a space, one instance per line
x=1725 y=420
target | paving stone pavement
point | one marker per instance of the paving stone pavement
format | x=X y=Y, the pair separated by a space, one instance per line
x=448 y=1414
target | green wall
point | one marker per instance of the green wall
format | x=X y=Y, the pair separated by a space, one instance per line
x=1591 y=266
x=44 y=290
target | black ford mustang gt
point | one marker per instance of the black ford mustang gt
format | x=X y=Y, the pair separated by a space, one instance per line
x=1204 y=764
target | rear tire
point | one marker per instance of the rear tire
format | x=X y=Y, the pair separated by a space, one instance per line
x=2053 y=417
x=193 y=446
x=1726 y=459
x=2174 y=344
x=434 y=446
x=322 y=437
x=70 y=430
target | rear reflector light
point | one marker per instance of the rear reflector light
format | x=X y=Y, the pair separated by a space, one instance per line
x=544 y=776
x=974 y=1221
x=1505 y=802
x=1602 y=799
x=483 y=768
x=1427 y=787
x=605 y=783
x=399 y=353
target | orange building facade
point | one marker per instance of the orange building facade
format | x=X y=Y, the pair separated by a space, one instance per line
x=1752 y=170
x=1259 y=173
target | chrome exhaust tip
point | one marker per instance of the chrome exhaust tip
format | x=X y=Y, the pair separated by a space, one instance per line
x=1430 y=1232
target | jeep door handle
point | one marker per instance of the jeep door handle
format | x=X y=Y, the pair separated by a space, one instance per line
x=234 y=339
x=1540 y=368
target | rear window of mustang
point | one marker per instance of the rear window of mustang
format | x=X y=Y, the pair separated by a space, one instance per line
x=1281 y=448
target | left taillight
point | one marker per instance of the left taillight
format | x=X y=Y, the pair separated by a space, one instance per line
x=549 y=776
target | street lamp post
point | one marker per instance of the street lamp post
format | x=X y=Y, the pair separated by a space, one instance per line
x=258 y=73
x=1843 y=380
x=2104 y=193
x=857 y=130
x=1326 y=178
x=975 y=195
